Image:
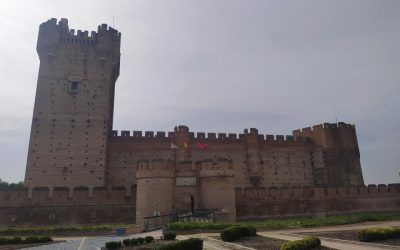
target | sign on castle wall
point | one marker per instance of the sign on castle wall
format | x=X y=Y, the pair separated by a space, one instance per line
x=185 y=181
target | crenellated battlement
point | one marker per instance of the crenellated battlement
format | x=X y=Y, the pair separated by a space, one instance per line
x=52 y=33
x=330 y=135
x=244 y=194
x=208 y=137
x=324 y=126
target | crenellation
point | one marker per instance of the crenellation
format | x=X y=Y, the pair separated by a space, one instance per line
x=222 y=136
x=125 y=133
x=149 y=134
x=316 y=169
x=316 y=127
x=211 y=136
x=232 y=136
x=280 y=138
x=270 y=138
x=160 y=134
x=137 y=134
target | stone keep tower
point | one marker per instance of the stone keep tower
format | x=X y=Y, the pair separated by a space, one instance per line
x=73 y=110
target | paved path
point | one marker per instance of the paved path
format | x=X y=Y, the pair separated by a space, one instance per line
x=89 y=243
x=92 y=243
x=332 y=243
x=295 y=234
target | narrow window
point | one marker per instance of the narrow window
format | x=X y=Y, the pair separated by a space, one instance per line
x=73 y=87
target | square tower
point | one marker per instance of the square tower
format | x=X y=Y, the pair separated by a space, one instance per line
x=73 y=111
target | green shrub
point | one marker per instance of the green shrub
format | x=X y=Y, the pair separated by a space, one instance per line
x=140 y=240
x=374 y=234
x=304 y=244
x=45 y=239
x=247 y=231
x=189 y=244
x=15 y=240
x=236 y=232
x=230 y=233
x=169 y=235
x=37 y=239
x=126 y=242
x=27 y=240
x=148 y=239
x=113 y=245
x=134 y=242
x=287 y=223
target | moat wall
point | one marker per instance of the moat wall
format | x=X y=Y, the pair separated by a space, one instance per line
x=113 y=206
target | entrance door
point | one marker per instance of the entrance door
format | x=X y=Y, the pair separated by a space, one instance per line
x=186 y=203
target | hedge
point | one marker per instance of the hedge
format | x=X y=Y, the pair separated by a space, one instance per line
x=26 y=240
x=189 y=244
x=373 y=234
x=304 y=244
x=113 y=245
x=236 y=232
x=169 y=235
x=129 y=242
x=148 y=239
x=274 y=224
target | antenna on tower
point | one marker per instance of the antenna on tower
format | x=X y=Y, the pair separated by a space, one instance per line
x=336 y=115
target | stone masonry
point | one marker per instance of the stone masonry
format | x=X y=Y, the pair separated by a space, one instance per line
x=74 y=151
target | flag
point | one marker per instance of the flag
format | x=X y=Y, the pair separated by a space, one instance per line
x=185 y=145
x=202 y=145
x=173 y=146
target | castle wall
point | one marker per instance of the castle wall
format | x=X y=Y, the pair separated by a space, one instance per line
x=280 y=161
x=251 y=203
x=217 y=187
x=256 y=203
x=103 y=206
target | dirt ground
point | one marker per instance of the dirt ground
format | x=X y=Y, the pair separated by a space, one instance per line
x=350 y=235
x=262 y=243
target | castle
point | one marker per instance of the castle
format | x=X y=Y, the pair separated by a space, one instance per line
x=76 y=161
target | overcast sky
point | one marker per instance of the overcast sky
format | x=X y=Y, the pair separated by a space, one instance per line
x=225 y=65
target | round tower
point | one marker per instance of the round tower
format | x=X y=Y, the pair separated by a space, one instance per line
x=155 y=188
x=217 y=186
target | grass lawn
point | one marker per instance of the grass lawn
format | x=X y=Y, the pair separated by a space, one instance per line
x=288 y=223
x=49 y=230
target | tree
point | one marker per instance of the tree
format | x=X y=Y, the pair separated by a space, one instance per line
x=11 y=186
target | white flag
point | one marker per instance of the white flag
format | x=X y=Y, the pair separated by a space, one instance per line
x=173 y=146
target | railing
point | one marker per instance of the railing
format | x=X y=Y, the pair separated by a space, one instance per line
x=159 y=221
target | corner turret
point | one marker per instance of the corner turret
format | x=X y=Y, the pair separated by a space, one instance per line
x=341 y=155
